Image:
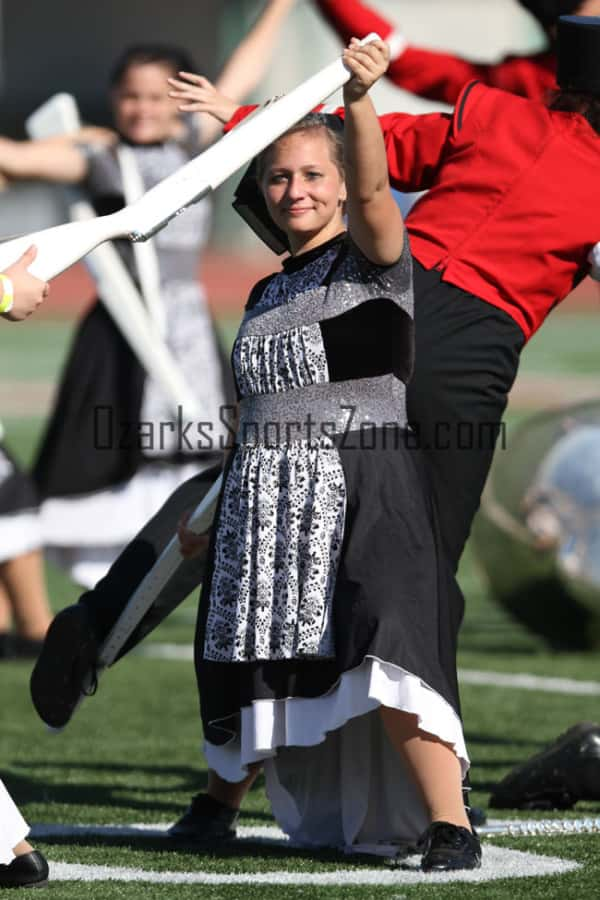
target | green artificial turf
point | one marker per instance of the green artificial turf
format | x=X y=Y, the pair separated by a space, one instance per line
x=132 y=752
x=566 y=344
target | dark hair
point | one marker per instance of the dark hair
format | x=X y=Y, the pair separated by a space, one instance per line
x=587 y=105
x=334 y=131
x=175 y=58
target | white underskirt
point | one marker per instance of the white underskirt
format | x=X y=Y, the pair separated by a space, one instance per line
x=333 y=777
x=13 y=827
x=85 y=534
x=19 y=533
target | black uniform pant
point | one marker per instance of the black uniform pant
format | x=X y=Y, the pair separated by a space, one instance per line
x=467 y=356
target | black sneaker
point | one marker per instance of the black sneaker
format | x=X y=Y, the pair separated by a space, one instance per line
x=448 y=847
x=206 y=820
x=60 y=674
x=27 y=870
x=568 y=770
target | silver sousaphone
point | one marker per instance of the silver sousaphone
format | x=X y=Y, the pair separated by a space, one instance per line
x=538 y=531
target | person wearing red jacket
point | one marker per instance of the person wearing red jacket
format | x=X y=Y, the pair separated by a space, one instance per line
x=502 y=235
x=442 y=76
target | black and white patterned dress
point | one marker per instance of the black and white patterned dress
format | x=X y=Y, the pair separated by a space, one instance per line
x=98 y=480
x=326 y=596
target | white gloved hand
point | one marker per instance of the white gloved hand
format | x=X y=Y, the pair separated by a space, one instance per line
x=594 y=258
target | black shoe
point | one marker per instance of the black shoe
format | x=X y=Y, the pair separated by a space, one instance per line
x=448 y=847
x=27 y=870
x=60 y=674
x=206 y=820
x=568 y=770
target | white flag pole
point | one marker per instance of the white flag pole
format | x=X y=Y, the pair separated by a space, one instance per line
x=117 y=290
x=60 y=247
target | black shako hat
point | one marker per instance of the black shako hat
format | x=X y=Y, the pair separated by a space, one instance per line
x=548 y=11
x=250 y=204
x=579 y=54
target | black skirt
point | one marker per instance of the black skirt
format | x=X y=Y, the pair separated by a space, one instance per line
x=102 y=383
x=391 y=601
x=101 y=374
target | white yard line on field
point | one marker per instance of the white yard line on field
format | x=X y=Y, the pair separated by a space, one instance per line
x=527 y=682
x=498 y=863
x=521 y=680
x=246 y=833
x=176 y=652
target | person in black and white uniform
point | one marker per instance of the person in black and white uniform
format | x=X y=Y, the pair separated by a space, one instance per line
x=100 y=479
x=325 y=646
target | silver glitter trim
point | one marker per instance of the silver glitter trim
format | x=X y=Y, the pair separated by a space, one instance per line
x=356 y=281
x=322 y=411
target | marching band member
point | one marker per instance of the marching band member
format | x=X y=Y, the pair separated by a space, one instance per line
x=113 y=449
x=325 y=647
x=494 y=250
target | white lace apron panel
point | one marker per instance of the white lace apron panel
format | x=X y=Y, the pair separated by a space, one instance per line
x=271 y=363
x=277 y=550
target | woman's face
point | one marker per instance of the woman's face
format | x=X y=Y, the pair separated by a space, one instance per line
x=303 y=188
x=142 y=108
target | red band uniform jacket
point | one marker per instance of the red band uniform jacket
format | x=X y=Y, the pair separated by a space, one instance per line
x=512 y=208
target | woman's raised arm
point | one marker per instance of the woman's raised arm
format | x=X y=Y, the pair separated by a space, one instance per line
x=240 y=75
x=374 y=219
x=52 y=159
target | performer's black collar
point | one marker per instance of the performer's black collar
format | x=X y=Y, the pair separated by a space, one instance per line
x=295 y=263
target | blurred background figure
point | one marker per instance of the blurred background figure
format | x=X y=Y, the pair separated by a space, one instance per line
x=23 y=599
x=22 y=586
x=99 y=478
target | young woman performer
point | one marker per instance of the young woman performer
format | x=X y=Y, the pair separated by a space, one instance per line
x=496 y=249
x=324 y=647
x=442 y=76
x=489 y=270
x=100 y=478
x=23 y=598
